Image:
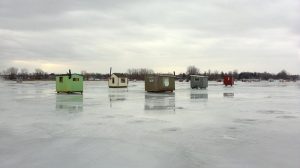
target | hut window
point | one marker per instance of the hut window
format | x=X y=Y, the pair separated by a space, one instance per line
x=76 y=79
x=166 y=81
x=61 y=79
x=151 y=79
x=197 y=79
x=122 y=80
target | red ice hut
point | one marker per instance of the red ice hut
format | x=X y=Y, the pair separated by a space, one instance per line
x=228 y=80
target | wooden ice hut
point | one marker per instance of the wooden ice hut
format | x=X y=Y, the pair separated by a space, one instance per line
x=69 y=83
x=198 y=81
x=160 y=83
x=118 y=80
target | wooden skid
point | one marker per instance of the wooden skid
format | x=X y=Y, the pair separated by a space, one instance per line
x=117 y=86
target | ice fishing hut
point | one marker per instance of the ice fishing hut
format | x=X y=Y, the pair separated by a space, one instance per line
x=228 y=80
x=198 y=81
x=69 y=83
x=118 y=80
x=160 y=83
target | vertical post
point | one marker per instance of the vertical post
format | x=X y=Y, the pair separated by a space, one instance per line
x=70 y=74
x=110 y=71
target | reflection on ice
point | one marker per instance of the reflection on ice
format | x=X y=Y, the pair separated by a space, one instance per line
x=118 y=90
x=116 y=97
x=199 y=96
x=69 y=103
x=229 y=94
x=160 y=101
x=117 y=94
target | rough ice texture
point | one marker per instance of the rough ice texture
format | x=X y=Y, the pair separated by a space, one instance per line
x=253 y=125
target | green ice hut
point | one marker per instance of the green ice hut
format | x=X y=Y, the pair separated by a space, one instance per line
x=69 y=83
x=160 y=83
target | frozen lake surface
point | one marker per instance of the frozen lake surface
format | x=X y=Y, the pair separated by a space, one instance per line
x=251 y=125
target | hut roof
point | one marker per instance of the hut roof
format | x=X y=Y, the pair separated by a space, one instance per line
x=163 y=75
x=198 y=75
x=68 y=74
x=120 y=75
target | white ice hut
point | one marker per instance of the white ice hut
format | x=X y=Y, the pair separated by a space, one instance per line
x=118 y=80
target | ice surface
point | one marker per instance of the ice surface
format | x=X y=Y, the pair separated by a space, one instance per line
x=249 y=125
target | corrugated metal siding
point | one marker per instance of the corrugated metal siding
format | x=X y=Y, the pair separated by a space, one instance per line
x=73 y=84
x=156 y=83
x=199 y=82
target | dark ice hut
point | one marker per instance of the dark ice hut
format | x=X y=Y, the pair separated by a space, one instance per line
x=228 y=80
x=69 y=83
x=198 y=81
x=160 y=83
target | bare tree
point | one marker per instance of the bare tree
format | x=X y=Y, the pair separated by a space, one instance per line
x=39 y=73
x=86 y=75
x=192 y=70
x=139 y=73
x=235 y=74
x=24 y=73
x=283 y=74
x=11 y=73
x=83 y=72
x=215 y=75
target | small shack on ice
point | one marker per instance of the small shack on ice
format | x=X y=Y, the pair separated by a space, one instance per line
x=198 y=81
x=69 y=83
x=160 y=83
x=228 y=80
x=118 y=80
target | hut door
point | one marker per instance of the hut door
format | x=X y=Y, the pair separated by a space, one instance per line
x=166 y=81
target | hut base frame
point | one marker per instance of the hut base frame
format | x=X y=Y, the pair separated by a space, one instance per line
x=161 y=91
x=71 y=92
x=117 y=86
x=201 y=88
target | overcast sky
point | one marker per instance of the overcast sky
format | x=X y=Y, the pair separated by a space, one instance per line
x=164 y=35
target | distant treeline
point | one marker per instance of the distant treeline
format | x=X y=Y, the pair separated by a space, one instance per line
x=216 y=75
x=14 y=73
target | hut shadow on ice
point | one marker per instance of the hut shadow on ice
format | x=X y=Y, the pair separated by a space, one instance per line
x=199 y=95
x=117 y=96
x=228 y=94
x=69 y=103
x=159 y=102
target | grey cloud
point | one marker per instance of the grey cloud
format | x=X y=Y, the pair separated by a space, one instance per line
x=147 y=33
